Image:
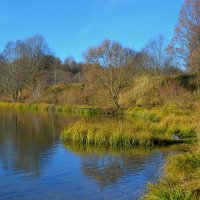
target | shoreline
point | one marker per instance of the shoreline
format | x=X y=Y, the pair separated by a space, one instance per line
x=166 y=187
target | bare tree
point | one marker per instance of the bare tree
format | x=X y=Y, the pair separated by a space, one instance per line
x=25 y=65
x=36 y=52
x=55 y=69
x=74 y=70
x=187 y=37
x=12 y=72
x=156 y=53
x=111 y=61
x=187 y=32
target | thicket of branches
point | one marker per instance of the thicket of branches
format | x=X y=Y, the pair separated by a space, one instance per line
x=29 y=68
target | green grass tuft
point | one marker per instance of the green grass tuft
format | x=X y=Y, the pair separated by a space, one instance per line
x=84 y=110
x=115 y=134
x=181 y=179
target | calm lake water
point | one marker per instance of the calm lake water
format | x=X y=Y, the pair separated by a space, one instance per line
x=35 y=164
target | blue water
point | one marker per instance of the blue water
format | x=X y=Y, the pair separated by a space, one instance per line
x=35 y=164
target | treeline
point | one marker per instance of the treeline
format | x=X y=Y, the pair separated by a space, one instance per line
x=30 y=65
x=30 y=72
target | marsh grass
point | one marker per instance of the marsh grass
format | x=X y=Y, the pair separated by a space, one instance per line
x=168 y=191
x=116 y=134
x=181 y=179
x=58 y=108
x=143 y=128
x=145 y=114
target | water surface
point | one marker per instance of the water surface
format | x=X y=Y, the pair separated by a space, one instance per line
x=35 y=164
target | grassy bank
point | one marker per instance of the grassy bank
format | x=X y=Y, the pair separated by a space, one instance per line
x=145 y=128
x=58 y=108
x=160 y=126
x=114 y=134
x=181 y=179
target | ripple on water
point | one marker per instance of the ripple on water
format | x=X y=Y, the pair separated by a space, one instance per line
x=34 y=164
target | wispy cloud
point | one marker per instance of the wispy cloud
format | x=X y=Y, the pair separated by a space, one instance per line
x=91 y=21
x=85 y=30
x=103 y=5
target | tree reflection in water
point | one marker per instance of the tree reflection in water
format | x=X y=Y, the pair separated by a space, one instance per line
x=108 y=166
x=28 y=138
x=32 y=155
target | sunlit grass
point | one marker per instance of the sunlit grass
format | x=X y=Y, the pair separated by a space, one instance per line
x=181 y=179
x=50 y=107
x=182 y=171
x=116 y=134
x=145 y=128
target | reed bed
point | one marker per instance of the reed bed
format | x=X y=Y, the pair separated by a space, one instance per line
x=116 y=134
x=181 y=179
x=50 y=107
x=151 y=128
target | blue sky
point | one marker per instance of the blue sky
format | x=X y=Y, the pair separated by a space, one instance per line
x=71 y=26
